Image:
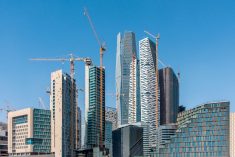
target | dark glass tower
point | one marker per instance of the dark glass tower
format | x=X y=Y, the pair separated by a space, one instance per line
x=169 y=96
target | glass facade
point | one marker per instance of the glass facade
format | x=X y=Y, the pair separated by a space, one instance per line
x=20 y=119
x=96 y=119
x=41 y=131
x=126 y=50
x=128 y=141
x=108 y=135
x=202 y=131
x=169 y=97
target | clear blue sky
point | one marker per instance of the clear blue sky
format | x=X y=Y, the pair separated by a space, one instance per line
x=197 y=39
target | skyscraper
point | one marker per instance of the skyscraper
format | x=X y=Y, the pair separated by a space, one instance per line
x=126 y=51
x=95 y=111
x=29 y=132
x=149 y=109
x=63 y=104
x=169 y=96
x=202 y=131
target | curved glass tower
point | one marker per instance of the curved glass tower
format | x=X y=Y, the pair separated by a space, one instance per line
x=126 y=50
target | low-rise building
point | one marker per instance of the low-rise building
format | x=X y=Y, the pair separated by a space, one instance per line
x=232 y=134
x=128 y=141
x=202 y=131
x=3 y=139
x=29 y=132
x=164 y=135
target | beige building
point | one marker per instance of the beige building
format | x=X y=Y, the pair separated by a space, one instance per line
x=232 y=134
x=29 y=132
x=63 y=104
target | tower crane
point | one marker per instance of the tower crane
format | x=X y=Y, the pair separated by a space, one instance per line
x=101 y=51
x=72 y=59
x=41 y=103
x=157 y=37
x=7 y=110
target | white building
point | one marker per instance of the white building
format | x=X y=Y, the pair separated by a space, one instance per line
x=29 y=132
x=63 y=105
x=149 y=110
x=134 y=93
x=232 y=134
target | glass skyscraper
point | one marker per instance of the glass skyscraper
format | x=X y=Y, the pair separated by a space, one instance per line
x=169 y=96
x=202 y=131
x=125 y=56
x=95 y=112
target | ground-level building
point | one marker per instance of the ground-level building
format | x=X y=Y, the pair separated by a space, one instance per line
x=128 y=141
x=232 y=134
x=29 y=132
x=3 y=139
x=202 y=131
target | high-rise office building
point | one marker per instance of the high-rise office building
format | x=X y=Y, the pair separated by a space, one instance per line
x=149 y=110
x=202 y=131
x=128 y=141
x=63 y=104
x=126 y=51
x=232 y=134
x=111 y=115
x=29 y=132
x=78 y=128
x=3 y=140
x=169 y=96
x=94 y=110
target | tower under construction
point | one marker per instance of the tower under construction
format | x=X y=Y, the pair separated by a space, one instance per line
x=94 y=110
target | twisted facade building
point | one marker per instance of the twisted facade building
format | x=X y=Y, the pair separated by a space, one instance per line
x=149 y=109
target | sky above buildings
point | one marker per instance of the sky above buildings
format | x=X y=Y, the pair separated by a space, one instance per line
x=197 y=40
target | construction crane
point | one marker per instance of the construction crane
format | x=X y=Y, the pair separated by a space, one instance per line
x=41 y=103
x=7 y=110
x=101 y=50
x=72 y=59
x=157 y=37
